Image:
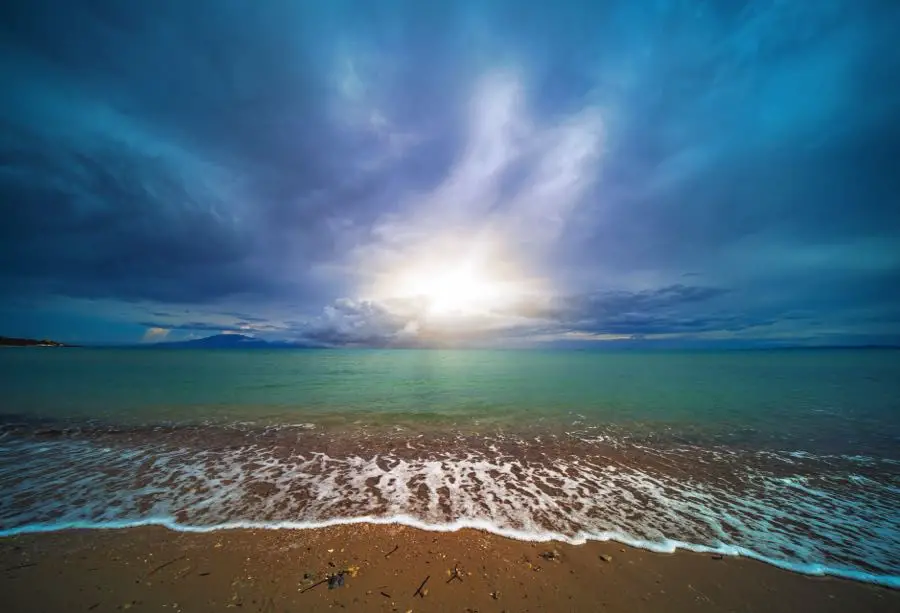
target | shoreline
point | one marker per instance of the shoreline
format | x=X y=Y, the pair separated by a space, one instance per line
x=155 y=568
x=666 y=547
x=756 y=505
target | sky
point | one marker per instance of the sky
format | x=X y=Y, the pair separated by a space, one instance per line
x=466 y=173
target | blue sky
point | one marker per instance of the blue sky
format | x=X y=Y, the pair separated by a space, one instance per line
x=417 y=173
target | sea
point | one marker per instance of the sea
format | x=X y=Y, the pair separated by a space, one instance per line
x=791 y=457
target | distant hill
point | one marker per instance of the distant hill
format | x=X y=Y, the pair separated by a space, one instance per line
x=7 y=341
x=229 y=341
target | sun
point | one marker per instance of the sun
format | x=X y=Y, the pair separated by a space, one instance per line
x=449 y=282
x=452 y=289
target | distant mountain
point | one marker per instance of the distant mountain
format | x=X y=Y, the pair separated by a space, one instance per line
x=7 y=341
x=229 y=341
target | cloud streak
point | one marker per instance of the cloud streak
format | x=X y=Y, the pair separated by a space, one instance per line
x=685 y=168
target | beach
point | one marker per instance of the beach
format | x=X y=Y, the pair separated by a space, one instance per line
x=783 y=462
x=156 y=569
x=462 y=306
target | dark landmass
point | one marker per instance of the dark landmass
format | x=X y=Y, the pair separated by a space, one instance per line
x=8 y=341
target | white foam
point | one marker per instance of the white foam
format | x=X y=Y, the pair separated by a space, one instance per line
x=798 y=522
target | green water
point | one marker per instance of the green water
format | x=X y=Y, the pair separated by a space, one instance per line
x=852 y=395
x=791 y=455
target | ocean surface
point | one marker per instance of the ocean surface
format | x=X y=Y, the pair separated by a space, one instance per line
x=788 y=456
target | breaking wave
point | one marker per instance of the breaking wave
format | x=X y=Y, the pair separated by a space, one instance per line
x=834 y=515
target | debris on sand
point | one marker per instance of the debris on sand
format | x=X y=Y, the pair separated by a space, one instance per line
x=454 y=575
x=606 y=558
x=162 y=566
x=551 y=555
x=336 y=581
x=306 y=589
x=419 y=591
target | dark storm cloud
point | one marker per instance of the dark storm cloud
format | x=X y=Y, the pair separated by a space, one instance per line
x=246 y=160
x=774 y=121
x=180 y=152
x=675 y=309
x=246 y=318
x=643 y=325
x=611 y=303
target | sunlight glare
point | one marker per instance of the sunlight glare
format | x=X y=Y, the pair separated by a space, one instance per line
x=460 y=290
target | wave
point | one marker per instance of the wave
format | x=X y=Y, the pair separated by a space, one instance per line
x=818 y=516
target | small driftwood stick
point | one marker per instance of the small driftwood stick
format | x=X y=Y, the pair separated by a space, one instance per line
x=6 y=570
x=306 y=589
x=455 y=575
x=162 y=566
x=419 y=590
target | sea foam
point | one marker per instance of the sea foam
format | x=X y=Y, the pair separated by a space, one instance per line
x=802 y=514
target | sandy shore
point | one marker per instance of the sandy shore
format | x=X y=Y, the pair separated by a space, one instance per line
x=155 y=569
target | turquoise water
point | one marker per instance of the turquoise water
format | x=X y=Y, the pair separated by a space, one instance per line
x=836 y=397
x=791 y=457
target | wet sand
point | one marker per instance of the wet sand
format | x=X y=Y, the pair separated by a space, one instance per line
x=155 y=569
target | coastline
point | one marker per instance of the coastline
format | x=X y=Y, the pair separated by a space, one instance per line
x=154 y=568
x=668 y=546
x=527 y=487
